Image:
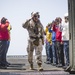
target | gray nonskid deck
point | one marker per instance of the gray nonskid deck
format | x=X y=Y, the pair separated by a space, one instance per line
x=20 y=66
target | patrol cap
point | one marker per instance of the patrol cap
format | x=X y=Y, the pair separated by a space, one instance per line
x=35 y=14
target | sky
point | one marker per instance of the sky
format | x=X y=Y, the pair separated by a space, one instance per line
x=18 y=11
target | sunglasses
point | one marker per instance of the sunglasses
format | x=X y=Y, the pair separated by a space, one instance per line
x=36 y=16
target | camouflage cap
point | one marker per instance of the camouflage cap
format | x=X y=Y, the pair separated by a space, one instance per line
x=34 y=14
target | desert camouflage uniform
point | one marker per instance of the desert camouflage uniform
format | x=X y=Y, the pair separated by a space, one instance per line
x=30 y=26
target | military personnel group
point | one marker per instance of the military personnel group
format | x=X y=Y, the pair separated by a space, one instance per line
x=55 y=38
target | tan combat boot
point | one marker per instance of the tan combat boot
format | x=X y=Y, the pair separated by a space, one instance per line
x=40 y=67
x=31 y=66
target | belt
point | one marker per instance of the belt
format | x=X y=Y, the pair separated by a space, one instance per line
x=32 y=37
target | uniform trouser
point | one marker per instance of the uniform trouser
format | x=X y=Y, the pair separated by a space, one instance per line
x=58 y=51
x=62 y=56
x=3 y=50
x=66 y=52
x=46 y=51
x=8 y=43
x=49 y=52
x=38 y=52
x=54 y=51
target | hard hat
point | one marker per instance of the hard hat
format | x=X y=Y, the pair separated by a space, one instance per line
x=34 y=14
x=66 y=14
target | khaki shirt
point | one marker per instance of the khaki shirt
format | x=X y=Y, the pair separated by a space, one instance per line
x=30 y=25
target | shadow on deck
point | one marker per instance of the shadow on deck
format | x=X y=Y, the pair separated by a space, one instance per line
x=20 y=66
